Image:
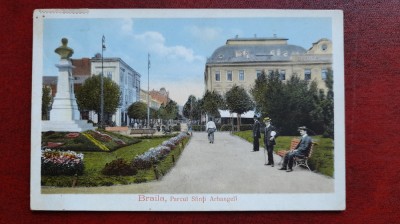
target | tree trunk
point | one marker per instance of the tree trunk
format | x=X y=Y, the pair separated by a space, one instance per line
x=238 y=122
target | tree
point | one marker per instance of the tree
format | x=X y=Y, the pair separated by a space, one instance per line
x=88 y=95
x=211 y=102
x=238 y=101
x=191 y=109
x=169 y=111
x=258 y=91
x=137 y=110
x=328 y=106
x=46 y=102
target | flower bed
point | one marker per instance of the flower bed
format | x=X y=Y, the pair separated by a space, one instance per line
x=156 y=154
x=54 y=162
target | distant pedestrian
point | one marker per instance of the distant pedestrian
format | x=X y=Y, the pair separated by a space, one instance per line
x=301 y=150
x=269 y=141
x=256 y=134
x=189 y=125
x=211 y=128
x=135 y=125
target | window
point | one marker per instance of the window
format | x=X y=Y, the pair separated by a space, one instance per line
x=282 y=74
x=324 y=47
x=307 y=74
x=258 y=72
x=229 y=75
x=324 y=73
x=217 y=76
x=109 y=75
x=241 y=75
x=270 y=72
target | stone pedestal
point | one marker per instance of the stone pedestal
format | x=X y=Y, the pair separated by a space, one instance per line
x=64 y=106
x=64 y=115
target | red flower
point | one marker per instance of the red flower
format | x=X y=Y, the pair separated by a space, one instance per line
x=54 y=144
x=72 y=135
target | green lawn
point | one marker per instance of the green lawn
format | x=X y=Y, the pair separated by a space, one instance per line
x=95 y=162
x=321 y=159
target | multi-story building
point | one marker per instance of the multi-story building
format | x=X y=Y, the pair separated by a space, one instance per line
x=241 y=60
x=116 y=69
x=154 y=103
x=127 y=79
x=161 y=96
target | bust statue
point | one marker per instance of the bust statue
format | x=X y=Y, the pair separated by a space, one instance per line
x=64 y=51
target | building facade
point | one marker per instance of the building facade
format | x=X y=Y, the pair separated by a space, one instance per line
x=127 y=79
x=154 y=103
x=241 y=60
x=116 y=69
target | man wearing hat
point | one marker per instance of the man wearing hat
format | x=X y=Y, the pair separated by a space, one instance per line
x=256 y=134
x=301 y=150
x=269 y=140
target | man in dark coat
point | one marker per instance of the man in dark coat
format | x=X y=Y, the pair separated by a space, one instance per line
x=256 y=134
x=301 y=150
x=269 y=140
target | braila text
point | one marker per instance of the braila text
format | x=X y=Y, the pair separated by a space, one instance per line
x=187 y=199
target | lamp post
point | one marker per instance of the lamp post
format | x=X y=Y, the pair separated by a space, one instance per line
x=103 y=47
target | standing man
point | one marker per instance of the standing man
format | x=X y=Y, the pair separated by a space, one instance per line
x=256 y=134
x=269 y=140
x=301 y=150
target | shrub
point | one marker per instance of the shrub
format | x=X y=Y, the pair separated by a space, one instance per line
x=243 y=127
x=54 y=162
x=119 y=167
x=176 y=127
x=141 y=163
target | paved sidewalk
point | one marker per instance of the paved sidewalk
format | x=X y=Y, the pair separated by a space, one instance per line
x=227 y=166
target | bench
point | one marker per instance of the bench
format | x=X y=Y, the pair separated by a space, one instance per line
x=120 y=129
x=143 y=131
x=298 y=161
x=282 y=153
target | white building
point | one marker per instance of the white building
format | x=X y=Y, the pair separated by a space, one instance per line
x=127 y=79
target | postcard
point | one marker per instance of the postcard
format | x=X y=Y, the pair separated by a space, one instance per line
x=188 y=110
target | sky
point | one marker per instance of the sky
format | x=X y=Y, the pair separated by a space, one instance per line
x=178 y=47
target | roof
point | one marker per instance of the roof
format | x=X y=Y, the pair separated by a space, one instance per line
x=82 y=66
x=50 y=80
x=257 y=52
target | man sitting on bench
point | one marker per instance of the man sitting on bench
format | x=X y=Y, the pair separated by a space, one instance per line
x=301 y=150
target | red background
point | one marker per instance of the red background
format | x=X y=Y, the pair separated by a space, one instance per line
x=372 y=90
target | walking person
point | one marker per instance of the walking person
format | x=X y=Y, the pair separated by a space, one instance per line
x=211 y=128
x=269 y=141
x=301 y=150
x=256 y=134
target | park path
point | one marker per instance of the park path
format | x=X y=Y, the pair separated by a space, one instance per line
x=227 y=166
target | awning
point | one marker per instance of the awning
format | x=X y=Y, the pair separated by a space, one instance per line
x=227 y=114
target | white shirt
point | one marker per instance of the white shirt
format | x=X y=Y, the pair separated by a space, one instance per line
x=210 y=124
x=273 y=133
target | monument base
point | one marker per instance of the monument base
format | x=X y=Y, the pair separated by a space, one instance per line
x=67 y=126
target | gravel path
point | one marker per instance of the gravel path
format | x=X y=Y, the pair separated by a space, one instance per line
x=227 y=166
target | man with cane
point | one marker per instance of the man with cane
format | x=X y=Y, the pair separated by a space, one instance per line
x=269 y=141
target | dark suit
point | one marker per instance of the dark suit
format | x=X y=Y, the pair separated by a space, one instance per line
x=269 y=144
x=302 y=150
x=256 y=136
